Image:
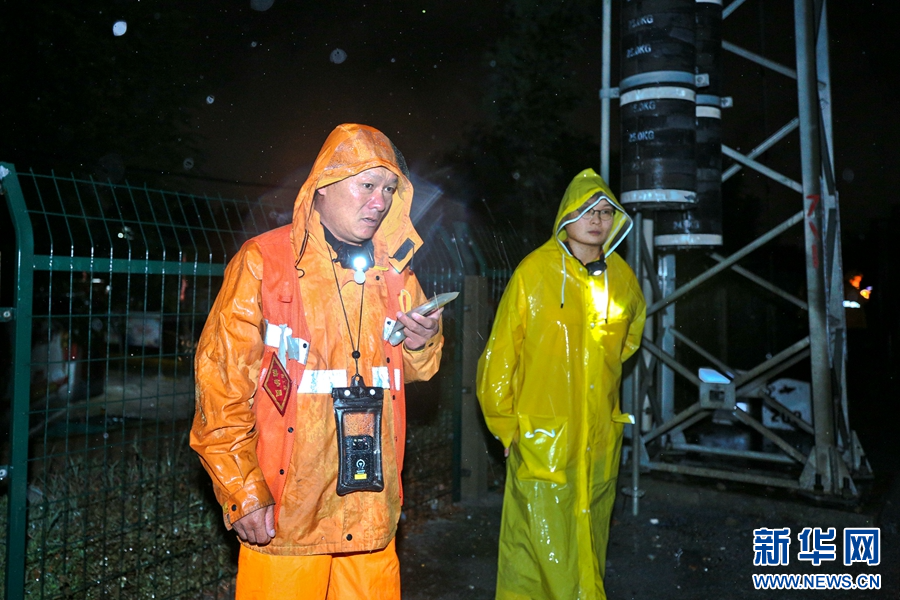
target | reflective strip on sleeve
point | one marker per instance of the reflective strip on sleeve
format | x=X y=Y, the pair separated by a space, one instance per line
x=397 y=381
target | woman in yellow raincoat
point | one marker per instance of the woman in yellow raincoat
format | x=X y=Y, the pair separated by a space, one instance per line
x=548 y=384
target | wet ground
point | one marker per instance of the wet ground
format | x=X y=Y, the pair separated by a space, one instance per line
x=692 y=539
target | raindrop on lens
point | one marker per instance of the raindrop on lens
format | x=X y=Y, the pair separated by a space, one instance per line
x=261 y=5
x=337 y=56
x=119 y=28
x=188 y=164
x=210 y=99
x=516 y=176
x=253 y=44
x=848 y=175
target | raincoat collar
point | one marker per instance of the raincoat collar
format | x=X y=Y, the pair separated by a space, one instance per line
x=351 y=149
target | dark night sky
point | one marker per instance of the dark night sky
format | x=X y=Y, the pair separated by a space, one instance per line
x=418 y=71
x=865 y=115
x=414 y=72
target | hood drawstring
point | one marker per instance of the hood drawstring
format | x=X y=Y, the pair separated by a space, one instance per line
x=562 y=292
x=606 y=293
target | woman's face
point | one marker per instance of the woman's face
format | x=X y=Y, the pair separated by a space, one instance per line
x=591 y=229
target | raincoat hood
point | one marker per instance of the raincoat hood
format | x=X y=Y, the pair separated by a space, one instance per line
x=585 y=186
x=351 y=149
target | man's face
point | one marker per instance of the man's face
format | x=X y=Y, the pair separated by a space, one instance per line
x=353 y=208
x=591 y=229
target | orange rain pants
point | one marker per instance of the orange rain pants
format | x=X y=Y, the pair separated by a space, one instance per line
x=371 y=575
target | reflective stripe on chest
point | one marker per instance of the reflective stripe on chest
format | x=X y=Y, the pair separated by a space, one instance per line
x=322 y=381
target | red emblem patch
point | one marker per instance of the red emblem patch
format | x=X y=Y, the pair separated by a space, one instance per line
x=277 y=384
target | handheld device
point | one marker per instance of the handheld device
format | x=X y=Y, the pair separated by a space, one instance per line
x=397 y=334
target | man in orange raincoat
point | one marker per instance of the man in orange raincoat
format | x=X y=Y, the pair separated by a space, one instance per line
x=305 y=309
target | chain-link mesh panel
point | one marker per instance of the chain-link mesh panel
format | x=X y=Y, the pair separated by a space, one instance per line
x=124 y=277
x=432 y=471
x=115 y=503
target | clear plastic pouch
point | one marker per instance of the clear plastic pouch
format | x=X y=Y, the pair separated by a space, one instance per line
x=357 y=414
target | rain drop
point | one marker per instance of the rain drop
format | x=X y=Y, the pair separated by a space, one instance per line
x=261 y=5
x=848 y=175
x=493 y=63
x=337 y=56
x=210 y=99
x=119 y=28
x=516 y=176
x=188 y=163
x=253 y=44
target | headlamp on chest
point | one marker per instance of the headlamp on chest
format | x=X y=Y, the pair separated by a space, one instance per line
x=596 y=267
x=360 y=266
x=357 y=258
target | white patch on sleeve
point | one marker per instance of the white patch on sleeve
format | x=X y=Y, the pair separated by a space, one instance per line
x=398 y=380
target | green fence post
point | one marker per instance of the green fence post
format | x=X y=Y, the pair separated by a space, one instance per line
x=456 y=462
x=18 y=434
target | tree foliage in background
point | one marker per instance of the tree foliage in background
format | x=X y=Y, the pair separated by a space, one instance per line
x=76 y=97
x=518 y=162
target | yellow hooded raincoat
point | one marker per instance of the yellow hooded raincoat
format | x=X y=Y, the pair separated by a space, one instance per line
x=548 y=384
x=236 y=424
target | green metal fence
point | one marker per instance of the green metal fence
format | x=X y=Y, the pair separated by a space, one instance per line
x=113 y=284
x=433 y=471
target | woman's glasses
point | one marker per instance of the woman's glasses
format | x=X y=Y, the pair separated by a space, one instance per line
x=604 y=214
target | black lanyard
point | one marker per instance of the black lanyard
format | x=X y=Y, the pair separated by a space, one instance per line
x=357 y=378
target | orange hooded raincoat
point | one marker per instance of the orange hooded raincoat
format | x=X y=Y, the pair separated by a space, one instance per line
x=280 y=297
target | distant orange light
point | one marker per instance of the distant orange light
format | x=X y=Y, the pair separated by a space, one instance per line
x=866 y=293
x=855 y=281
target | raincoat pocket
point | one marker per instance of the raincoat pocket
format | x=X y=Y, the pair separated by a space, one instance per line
x=543 y=446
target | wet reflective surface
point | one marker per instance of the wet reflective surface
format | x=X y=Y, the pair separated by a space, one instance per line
x=690 y=541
